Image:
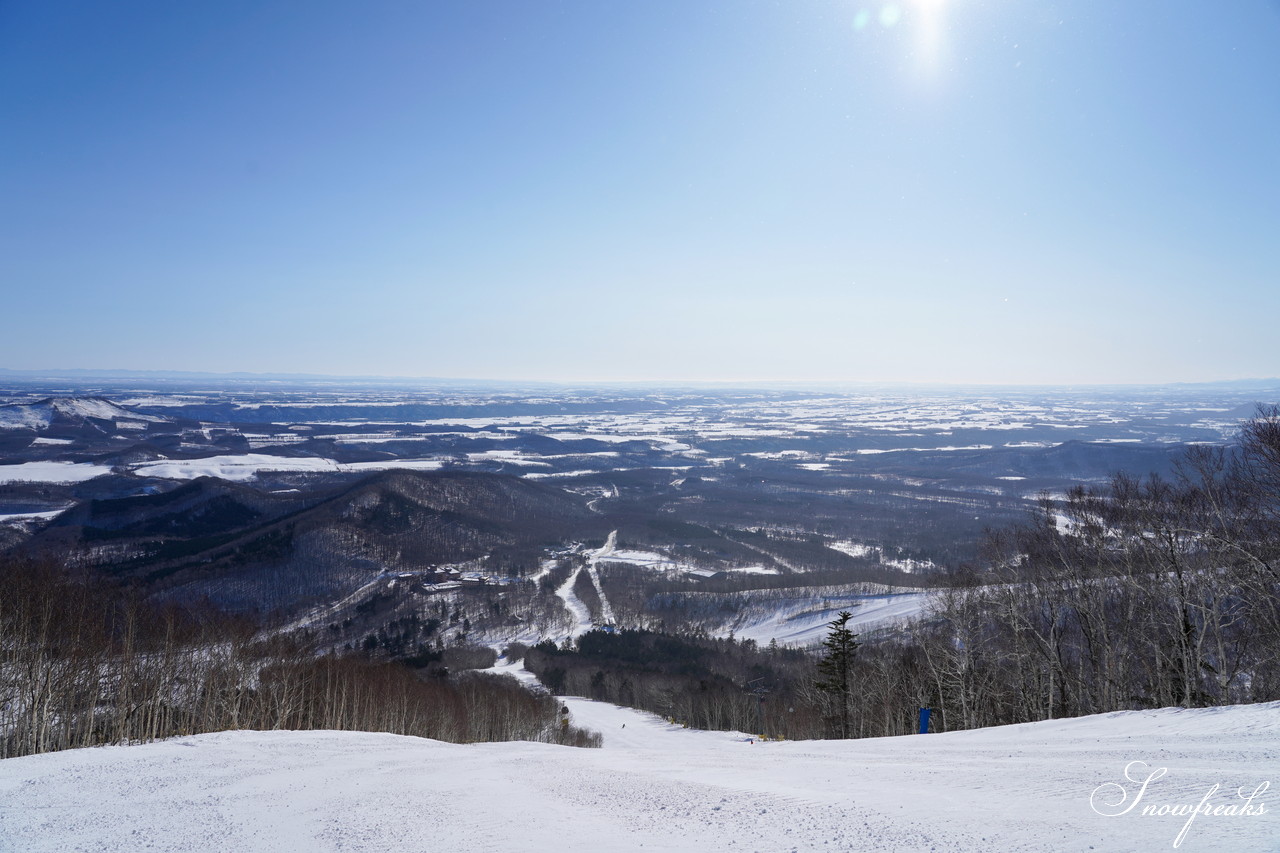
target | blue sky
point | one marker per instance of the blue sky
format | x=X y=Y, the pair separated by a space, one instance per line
x=956 y=191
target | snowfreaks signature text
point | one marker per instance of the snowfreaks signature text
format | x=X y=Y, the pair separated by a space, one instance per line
x=1113 y=799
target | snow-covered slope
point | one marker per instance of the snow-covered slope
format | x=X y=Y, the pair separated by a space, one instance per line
x=67 y=410
x=802 y=622
x=656 y=787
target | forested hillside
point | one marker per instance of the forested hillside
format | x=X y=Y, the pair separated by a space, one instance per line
x=84 y=662
x=247 y=549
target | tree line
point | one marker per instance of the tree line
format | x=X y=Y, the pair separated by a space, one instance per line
x=1142 y=593
x=1145 y=593
x=690 y=679
x=85 y=662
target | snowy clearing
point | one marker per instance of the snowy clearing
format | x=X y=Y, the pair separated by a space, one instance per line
x=10 y=517
x=802 y=622
x=51 y=472
x=1035 y=787
x=247 y=466
x=854 y=549
x=512 y=457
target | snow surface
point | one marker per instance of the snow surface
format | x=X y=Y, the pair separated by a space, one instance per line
x=52 y=472
x=853 y=549
x=802 y=622
x=661 y=562
x=10 y=517
x=656 y=787
x=513 y=457
x=246 y=467
x=579 y=613
x=593 y=571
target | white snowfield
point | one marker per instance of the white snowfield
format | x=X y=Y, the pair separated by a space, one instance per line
x=653 y=787
x=804 y=623
x=802 y=618
x=52 y=472
x=245 y=467
x=15 y=517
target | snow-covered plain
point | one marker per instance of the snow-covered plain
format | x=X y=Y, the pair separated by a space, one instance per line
x=246 y=467
x=1037 y=787
x=51 y=472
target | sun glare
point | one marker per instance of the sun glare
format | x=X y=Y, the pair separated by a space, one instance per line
x=925 y=19
x=928 y=17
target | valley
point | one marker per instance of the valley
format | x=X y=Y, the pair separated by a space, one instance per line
x=657 y=573
x=480 y=514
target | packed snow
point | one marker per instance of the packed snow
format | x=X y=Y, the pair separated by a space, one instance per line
x=579 y=614
x=1050 y=786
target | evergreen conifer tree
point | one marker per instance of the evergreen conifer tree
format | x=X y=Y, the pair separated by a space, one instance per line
x=835 y=670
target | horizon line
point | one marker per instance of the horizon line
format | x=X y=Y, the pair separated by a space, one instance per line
x=157 y=374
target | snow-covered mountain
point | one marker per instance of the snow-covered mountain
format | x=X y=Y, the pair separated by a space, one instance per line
x=1051 y=786
x=71 y=411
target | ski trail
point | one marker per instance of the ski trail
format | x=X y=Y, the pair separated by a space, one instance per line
x=315 y=615
x=622 y=727
x=580 y=613
x=653 y=787
x=610 y=544
x=578 y=610
x=545 y=568
x=606 y=609
x=774 y=557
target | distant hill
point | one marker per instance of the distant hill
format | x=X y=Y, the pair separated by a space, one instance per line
x=55 y=413
x=246 y=549
x=1081 y=461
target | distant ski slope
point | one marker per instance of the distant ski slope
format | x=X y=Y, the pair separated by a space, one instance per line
x=654 y=787
x=803 y=622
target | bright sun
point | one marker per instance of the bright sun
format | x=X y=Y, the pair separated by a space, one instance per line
x=926 y=19
x=928 y=16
